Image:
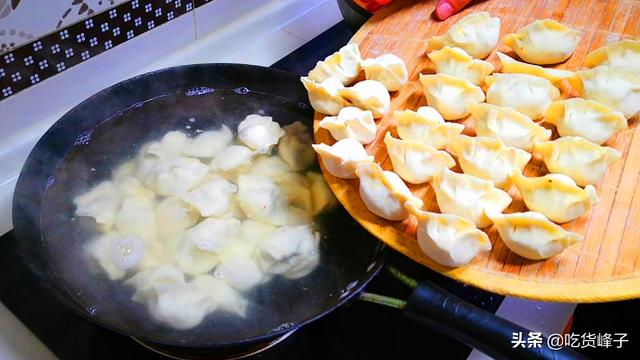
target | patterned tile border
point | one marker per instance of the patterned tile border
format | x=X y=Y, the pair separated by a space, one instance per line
x=52 y=54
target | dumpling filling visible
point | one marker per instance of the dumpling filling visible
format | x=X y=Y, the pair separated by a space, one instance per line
x=194 y=223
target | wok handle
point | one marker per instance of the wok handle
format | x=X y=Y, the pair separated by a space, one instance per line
x=433 y=306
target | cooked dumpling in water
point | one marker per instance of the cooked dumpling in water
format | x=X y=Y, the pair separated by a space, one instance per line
x=343 y=65
x=295 y=146
x=295 y=187
x=616 y=87
x=585 y=118
x=544 y=42
x=456 y=62
x=530 y=95
x=341 y=158
x=513 y=128
x=414 y=161
x=231 y=158
x=173 y=218
x=533 y=236
x=100 y=251
x=239 y=269
x=260 y=133
x=450 y=95
x=489 y=158
x=582 y=160
x=351 y=122
x=468 y=196
x=368 y=95
x=291 y=251
x=269 y=166
x=510 y=65
x=447 y=239
x=476 y=33
x=208 y=143
x=556 y=196
x=322 y=199
x=323 y=96
x=427 y=126
x=388 y=69
x=200 y=249
x=211 y=198
x=101 y=203
x=624 y=53
x=177 y=176
x=384 y=193
x=171 y=145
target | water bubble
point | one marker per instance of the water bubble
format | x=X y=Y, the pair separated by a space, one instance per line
x=187 y=127
x=302 y=105
x=192 y=120
x=241 y=90
x=92 y=310
x=283 y=327
x=93 y=169
x=219 y=274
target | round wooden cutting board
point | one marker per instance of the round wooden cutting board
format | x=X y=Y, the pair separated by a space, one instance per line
x=603 y=267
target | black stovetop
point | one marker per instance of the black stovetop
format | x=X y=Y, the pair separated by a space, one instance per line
x=358 y=330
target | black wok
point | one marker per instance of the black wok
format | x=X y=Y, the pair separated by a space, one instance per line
x=82 y=148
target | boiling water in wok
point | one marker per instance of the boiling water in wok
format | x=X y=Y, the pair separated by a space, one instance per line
x=273 y=308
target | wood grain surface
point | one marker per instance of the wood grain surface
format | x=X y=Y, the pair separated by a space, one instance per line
x=603 y=267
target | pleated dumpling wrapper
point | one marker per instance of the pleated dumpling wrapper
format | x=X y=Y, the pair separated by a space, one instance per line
x=450 y=95
x=510 y=66
x=341 y=158
x=624 y=53
x=555 y=196
x=476 y=33
x=533 y=236
x=512 y=127
x=468 y=196
x=447 y=239
x=295 y=146
x=414 y=161
x=489 y=158
x=530 y=95
x=101 y=203
x=388 y=69
x=544 y=42
x=353 y=123
x=588 y=119
x=368 y=95
x=260 y=133
x=456 y=62
x=343 y=65
x=384 y=193
x=616 y=87
x=583 y=161
x=323 y=96
x=427 y=126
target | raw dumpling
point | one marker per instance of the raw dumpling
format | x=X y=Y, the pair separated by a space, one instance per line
x=476 y=33
x=456 y=62
x=533 y=236
x=322 y=199
x=556 y=196
x=585 y=118
x=384 y=193
x=530 y=95
x=291 y=251
x=295 y=146
x=351 y=122
x=468 y=196
x=211 y=198
x=264 y=200
x=544 y=42
x=343 y=65
x=449 y=240
x=200 y=249
x=427 y=126
x=178 y=175
x=414 y=161
x=231 y=158
x=239 y=269
x=388 y=69
x=624 y=53
x=582 y=160
x=510 y=66
x=269 y=166
x=368 y=95
x=450 y=95
x=323 y=96
x=616 y=87
x=101 y=203
x=513 y=128
x=260 y=133
x=208 y=143
x=341 y=158
x=489 y=158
